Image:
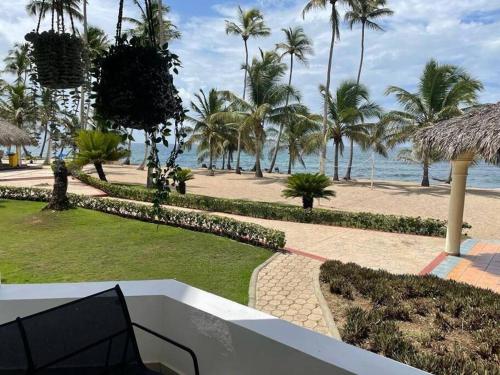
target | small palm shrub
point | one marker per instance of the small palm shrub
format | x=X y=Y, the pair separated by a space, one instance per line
x=96 y=148
x=308 y=186
x=181 y=176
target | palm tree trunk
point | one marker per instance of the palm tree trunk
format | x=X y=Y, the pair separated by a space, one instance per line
x=100 y=171
x=322 y=160
x=289 y=161
x=211 y=158
x=425 y=177
x=223 y=160
x=448 y=181
x=49 y=151
x=246 y=69
x=146 y=152
x=83 y=120
x=336 y=163
x=362 y=52
x=45 y=126
x=349 y=165
x=275 y=154
x=129 y=148
x=258 y=144
x=229 y=159
x=238 y=154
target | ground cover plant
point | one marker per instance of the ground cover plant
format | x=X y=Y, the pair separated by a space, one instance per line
x=84 y=245
x=439 y=326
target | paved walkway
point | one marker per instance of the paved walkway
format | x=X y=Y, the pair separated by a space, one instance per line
x=285 y=287
x=478 y=265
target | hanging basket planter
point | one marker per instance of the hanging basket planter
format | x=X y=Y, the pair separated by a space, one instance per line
x=58 y=59
x=134 y=87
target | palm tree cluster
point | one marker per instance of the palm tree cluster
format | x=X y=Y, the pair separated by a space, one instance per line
x=270 y=113
x=56 y=117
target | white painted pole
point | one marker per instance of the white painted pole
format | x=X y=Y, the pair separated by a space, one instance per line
x=456 y=204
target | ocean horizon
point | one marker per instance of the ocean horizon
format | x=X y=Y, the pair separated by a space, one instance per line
x=481 y=175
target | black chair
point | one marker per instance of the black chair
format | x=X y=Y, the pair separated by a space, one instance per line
x=92 y=335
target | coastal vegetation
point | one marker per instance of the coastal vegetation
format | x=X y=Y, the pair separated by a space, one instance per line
x=44 y=246
x=437 y=325
x=276 y=211
x=308 y=187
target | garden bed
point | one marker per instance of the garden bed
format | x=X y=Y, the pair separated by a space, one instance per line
x=276 y=211
x=439 y=326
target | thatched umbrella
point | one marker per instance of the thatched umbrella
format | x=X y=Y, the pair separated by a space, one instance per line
x=460 y=139
x=477 y=132
x=11 y=135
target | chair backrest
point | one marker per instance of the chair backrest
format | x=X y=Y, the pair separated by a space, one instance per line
x=13 y=358
x=92 y=332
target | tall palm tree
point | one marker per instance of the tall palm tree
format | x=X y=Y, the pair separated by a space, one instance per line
x=297 y=45
x=250 y=24
x=334 y=20
x=347 y=112
x=46 y=109
x=299 y=139
x=366 y=12
x=209 y=133
x=266 y=101
x=70 y=7
x=442 y=90
x=18 y=62
x=167 y=32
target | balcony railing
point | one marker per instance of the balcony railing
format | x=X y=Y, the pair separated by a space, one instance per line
x=228 y=338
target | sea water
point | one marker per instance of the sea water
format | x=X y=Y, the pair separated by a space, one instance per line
x=481 y=175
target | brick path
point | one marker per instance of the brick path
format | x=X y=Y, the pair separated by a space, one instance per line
x=285 y=289
x=478 y=265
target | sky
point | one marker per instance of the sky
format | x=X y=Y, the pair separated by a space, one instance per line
x=462 y=32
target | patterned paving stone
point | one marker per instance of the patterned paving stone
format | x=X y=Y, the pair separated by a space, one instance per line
x=292 y=297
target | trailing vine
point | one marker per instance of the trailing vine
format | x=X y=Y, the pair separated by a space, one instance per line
x=134 y=89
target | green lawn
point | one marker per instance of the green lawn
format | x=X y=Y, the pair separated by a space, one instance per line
x=83 y=245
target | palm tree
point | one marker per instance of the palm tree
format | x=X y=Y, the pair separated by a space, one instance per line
x=141 y=25
x=299 y=139
x=347 y=112
x=418 y=155
x=298 y=46
x=250 y=24
x=366 y=12
x=266 y=101
x=308 y=186
x=209 y=133
x=46 y=109
x=18 y=62
x=97 y=148
x=335 y=20
x=441 y=92
x=70 y=7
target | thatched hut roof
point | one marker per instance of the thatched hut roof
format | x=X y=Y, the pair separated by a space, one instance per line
x=477 y=131
x=11 y=135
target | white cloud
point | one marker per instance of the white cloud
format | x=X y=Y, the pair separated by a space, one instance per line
x=417 y=32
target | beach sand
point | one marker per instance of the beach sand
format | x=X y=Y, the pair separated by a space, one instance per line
x=482 y=206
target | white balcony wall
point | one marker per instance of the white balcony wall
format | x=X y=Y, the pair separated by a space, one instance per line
x=227 y=337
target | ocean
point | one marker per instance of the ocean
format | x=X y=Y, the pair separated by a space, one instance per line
x=481 y=175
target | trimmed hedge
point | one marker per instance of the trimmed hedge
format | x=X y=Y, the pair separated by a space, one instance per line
x=240 y=231
x=283 y=212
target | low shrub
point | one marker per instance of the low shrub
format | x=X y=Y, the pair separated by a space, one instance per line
x=283 y=212
x=440 y=326
x=244 y=232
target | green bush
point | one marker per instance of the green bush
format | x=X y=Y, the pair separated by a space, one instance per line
x=283 y=212
x=440 y=326
x=226 y=227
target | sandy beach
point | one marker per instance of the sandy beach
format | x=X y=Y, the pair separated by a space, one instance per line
x=482 y=206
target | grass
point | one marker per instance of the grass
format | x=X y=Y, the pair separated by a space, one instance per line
x=84 y=245
x=439 y=326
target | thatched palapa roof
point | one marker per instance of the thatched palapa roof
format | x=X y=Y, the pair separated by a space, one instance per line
x=11 y=135
x=477 y=131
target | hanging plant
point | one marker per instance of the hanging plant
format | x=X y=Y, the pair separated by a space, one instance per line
x=134 y=89
x=133 y=84
x=57 y=55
